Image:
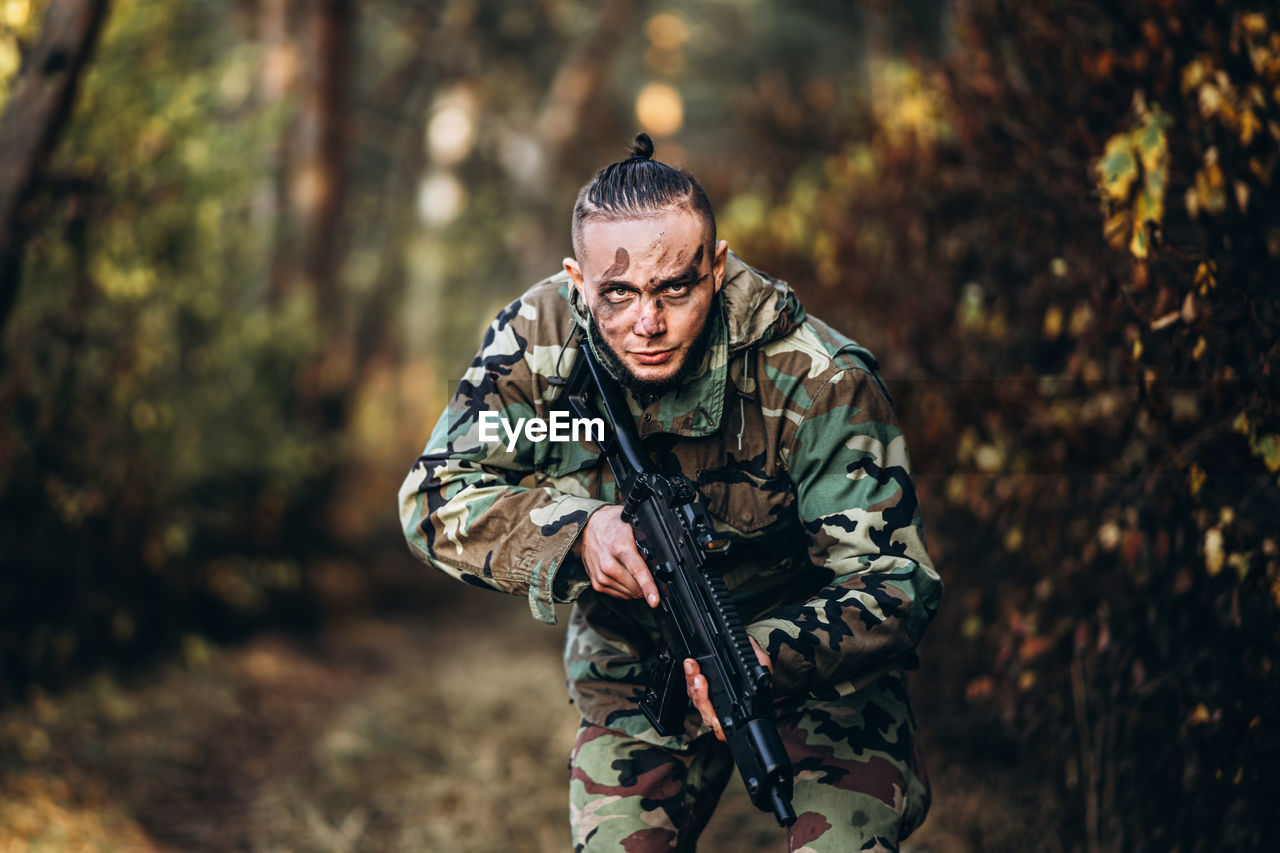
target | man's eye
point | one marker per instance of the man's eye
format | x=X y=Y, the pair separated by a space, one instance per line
x=617 y=293
x=678 y=289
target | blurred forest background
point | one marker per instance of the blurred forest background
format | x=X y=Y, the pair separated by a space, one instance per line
x=245 y=246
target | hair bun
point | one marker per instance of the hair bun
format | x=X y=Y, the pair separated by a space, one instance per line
x=641 y=147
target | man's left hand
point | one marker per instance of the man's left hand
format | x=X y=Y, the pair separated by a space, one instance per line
x=696 y=684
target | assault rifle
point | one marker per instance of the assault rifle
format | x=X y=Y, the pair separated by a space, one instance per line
x=696 y=618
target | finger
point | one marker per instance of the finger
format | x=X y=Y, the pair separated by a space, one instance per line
x=761 y=655
x=613 y=591
x=620 y=577
x=610 y=576
x=691 y=673
x=703 y=705
x=645 y=586
x=699 y=693
x=611 y=583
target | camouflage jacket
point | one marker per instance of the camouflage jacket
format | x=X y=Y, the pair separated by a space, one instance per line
x=788 y=433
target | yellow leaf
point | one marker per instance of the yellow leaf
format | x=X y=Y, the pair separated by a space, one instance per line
x=1210 y=183
x=1081 y=319
x=1249 y=125
x=1194 y=73
x=1205 y=279
x=1138 y=245
x=1267 y=447
x=1240 y=562
x=1214 y=557
x=1052 y=322
x=1116 y=229
x=1117 y=168
x=1143 y=152
x=1152 y=144
x=1254 y=23
x=1210 y=100
x=1195 y=478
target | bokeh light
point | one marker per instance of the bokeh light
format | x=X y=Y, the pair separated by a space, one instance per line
x=660 y=109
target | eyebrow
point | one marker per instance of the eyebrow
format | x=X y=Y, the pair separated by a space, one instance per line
x=690 y=277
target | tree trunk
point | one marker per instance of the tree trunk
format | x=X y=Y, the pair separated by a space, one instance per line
x=314 y=41
x=43 y=95
x=580 y=84
x=322 y=177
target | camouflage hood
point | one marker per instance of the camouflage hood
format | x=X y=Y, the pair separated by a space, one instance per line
x=752 y=309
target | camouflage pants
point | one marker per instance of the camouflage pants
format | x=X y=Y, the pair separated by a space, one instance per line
x=859 y=780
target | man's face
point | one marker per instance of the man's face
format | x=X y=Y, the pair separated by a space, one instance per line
x=649 y=285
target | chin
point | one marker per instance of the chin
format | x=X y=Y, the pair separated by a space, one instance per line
x=652 y=381
x=656 y=373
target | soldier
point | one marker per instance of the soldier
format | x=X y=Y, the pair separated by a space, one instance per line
x=786 y=428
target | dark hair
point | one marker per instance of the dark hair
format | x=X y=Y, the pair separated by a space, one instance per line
x=638 y=187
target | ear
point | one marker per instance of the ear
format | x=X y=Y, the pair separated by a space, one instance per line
x=575 y=273
x=717 y=264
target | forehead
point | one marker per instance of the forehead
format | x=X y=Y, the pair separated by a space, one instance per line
x=669 y=238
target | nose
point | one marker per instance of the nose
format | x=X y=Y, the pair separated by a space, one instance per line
x=651 y=321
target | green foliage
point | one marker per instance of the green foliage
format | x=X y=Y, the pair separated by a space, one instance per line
x=150 y=440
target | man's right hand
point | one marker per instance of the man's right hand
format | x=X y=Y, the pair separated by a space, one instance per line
x=607 y=547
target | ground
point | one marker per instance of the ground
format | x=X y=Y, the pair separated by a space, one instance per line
x=425 y=732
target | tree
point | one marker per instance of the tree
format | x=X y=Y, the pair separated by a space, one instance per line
x=34 y=117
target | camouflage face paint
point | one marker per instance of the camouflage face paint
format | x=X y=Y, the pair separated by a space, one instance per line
x=606 y=310
x=621 y=263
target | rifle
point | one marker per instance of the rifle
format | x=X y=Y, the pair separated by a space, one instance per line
x=696 y=618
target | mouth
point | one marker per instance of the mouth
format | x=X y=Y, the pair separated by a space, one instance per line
x=653 y=356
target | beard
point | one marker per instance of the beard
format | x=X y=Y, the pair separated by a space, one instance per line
x=648 y=390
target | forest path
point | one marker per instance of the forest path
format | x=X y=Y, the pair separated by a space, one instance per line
x=422 y=734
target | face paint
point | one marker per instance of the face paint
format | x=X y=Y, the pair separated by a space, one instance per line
x=647 y=390
x=607 y=310
x=621 y=262
x=648 y=306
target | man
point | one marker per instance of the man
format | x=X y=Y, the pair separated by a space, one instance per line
x=786 y=430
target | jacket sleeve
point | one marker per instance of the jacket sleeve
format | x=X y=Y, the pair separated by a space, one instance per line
x=473 y=508
x=857 y=502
